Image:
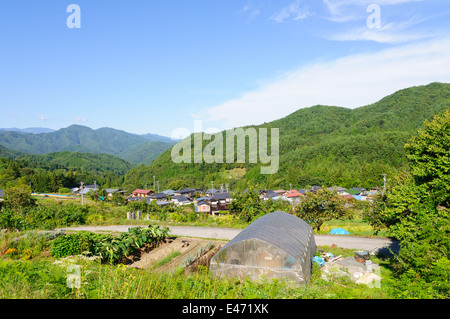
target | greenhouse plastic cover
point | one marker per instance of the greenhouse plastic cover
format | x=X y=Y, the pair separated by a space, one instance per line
x=277 y=245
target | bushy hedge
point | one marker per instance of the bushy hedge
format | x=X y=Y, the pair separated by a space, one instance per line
x=44 y=217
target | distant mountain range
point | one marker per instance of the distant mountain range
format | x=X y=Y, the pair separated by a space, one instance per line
x=137 y=149
x=32 y=130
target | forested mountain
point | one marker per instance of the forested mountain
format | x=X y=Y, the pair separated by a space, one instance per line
x=53 y=171
x=321 y=145
x=6 y=152
x=76 y=138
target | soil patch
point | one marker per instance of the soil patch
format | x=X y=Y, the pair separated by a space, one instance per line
x=193 y=252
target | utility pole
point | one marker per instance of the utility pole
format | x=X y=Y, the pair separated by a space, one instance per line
x=81 y=187
x=154 y=187
x=157 y=182
x=384 y=182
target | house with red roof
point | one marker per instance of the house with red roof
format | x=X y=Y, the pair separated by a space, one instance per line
x=141 y=193
x=293 y=194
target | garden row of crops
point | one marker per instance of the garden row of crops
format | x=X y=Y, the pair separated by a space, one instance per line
x=109 y=248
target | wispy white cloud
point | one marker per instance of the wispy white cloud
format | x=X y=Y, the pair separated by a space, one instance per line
x=351 y=81
x=294 y=11
x=393 y=25
x=337 y=7
x=80 y=119
x=251 y=12
x=42 y=117
x=349 y=10
x=391 y=32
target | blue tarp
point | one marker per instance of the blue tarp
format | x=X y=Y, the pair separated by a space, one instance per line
x=318 y=260
x=339 y=231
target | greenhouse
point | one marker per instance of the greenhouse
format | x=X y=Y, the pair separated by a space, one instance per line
x=277 y=245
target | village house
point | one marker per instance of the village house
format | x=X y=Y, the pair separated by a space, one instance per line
x=339 y=190
x=267 y=194
x=203 y=205
x=211 y=191
x=180 y=200
x=141 y=193
x=149 y=200
x=159 y=196
x=111 y=191
x=220 y=201
x=86 y=190
x=189 y=192
x=293 y=194
x=169 y=192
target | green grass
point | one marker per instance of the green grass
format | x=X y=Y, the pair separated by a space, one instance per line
x=27 y=279
x=167 y=259
x=32 y=280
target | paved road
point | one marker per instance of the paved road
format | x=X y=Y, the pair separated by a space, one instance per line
x=343 y=241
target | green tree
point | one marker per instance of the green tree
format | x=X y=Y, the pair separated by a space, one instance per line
x=18 y=198
x=429 y=157
x=417 y=212
x=247 y=205
x=118 y=199
x=318 y=207
x=178 y=184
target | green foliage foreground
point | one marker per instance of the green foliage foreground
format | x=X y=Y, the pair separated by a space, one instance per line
x=49 y=280
x=28 y=270
x=416 y=207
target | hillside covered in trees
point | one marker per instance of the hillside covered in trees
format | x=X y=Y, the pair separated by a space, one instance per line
x=77 y=138
x=51 y=172
x=319 y=145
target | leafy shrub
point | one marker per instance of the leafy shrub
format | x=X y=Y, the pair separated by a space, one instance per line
x=44 y=217
x=72 y=244
x=177 y=217
x=11 y=220
x=112 y=249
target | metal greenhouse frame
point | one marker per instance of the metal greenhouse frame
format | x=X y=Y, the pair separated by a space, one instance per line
x=277 y=245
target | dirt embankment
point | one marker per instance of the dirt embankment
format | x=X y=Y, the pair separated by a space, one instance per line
x=191 y=253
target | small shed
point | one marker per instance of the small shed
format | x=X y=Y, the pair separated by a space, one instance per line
x=277 y=245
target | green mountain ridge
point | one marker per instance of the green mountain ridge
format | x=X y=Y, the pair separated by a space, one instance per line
x=77 y=138
x=78 y=160
x=53 y=171
x=321 y=145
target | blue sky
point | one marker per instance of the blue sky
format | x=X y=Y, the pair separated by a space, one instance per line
x=154 y=66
